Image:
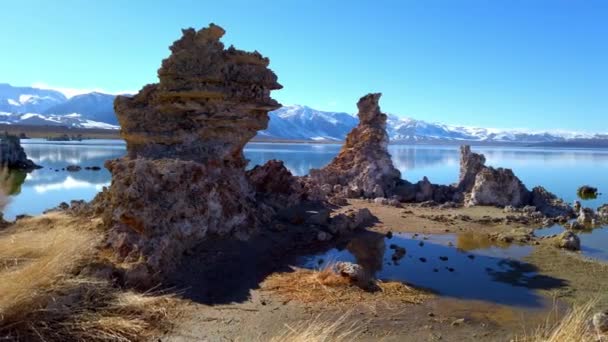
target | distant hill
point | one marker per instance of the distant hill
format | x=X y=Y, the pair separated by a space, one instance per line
x=28 y=99
x=31 y=106
x=93 y=106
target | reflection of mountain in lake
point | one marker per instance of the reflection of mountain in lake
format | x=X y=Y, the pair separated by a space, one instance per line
x=57 y=157
x=47 y=187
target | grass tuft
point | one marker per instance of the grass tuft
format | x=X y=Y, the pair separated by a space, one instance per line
x=313 y=286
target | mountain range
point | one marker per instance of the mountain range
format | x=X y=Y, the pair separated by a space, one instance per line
x=33 y=106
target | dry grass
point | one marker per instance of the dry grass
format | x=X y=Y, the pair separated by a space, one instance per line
x=574 y=326
x=37 y=253
x=42 y=298
x=320 y=330
x=315 y=286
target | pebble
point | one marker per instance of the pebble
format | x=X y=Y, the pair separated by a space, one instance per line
x=457 y=322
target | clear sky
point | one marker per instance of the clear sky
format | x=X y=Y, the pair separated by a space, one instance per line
x=532 y=64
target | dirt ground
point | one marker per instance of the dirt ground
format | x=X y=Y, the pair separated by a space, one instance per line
x=235 y=305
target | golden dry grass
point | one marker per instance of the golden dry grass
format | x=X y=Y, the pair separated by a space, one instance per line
x=314 y=286
x=574 y=326
x=43 y=298
x=319 y=330
x=37 y=253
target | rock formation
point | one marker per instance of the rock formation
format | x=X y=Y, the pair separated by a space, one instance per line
x=498 y=187
x=209 y=103
x=488 y=186
x=363 y=168
x=568 y=240
x=183 y=177
x=12 y=154
x=548 y=204
x=483 y=185
x=470 y=165
x=275 y=185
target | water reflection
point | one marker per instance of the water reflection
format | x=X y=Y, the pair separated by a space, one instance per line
x=569 y=168
x=594 y=242
x=488 y=274
x=47 y=187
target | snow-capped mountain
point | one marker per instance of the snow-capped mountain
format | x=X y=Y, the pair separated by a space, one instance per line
x=69 y=120
x=302 y=122
x=93 y=106
x=28 y=99
x=32 y=106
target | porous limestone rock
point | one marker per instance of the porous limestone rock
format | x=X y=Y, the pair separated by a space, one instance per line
x=275 y=185
x=363 y=168
x=355 y=273
x=549 y=204
x=470 y=165
x=183 y=177
x=586 y=216
x=13 y=156
x=484 y=185
x=569 y=240
x=602 y=212
x=600 y=322
x=499 y=187
x=209 y=103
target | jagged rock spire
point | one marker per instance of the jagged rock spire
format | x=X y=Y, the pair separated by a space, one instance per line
x=363 y=168
x=209 y=103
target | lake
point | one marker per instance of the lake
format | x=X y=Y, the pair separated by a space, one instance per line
x=561 y=171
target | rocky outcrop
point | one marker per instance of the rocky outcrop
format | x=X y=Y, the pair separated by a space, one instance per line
x=274 y=184
x=184 y=174
x=549 y=204
x=499 y=187
x=209 y=103
x=587 y=192
x=602 y=212
x=587 y=217
x=483 y=185
x=363 y=168
x=13 y=156
x=568 y=240
x=471 y=164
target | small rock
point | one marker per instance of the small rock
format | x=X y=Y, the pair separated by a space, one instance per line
x=398 y=254
x=422 y=259
x=380 y=200
x=389 y=235
x=443 y=258
x=73 y=168
x=600 y=322
x=458 y=322
x=570 y=241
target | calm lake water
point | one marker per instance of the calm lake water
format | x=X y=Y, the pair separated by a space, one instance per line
x=560 y=170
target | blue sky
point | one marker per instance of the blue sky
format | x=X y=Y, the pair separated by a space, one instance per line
x=507 y=64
